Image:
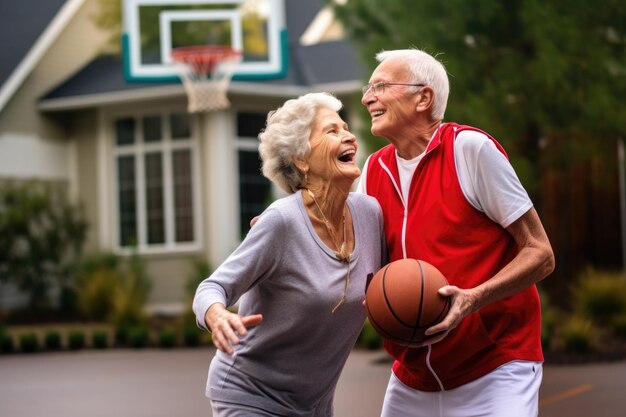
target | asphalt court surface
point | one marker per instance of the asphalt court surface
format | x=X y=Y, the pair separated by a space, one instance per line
x=168 y=383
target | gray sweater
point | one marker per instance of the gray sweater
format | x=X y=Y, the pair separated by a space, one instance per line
x=289 y=365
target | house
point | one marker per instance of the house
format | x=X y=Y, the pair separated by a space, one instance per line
x=177 y=186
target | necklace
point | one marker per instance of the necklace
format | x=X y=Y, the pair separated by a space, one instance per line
x=341 y=254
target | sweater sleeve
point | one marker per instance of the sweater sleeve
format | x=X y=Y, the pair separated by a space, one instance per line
x=251 y=263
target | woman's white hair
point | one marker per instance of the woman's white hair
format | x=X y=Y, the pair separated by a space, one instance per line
x=425 y=69
x=286 y=138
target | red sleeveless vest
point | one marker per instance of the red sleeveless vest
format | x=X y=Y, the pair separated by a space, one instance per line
x=439 y=226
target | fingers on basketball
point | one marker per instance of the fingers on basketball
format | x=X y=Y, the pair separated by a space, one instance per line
x=402 y=301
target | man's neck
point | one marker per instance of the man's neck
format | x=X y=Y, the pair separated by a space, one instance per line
x=410 y=147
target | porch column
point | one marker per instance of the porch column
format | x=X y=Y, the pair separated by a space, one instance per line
x=221 y=192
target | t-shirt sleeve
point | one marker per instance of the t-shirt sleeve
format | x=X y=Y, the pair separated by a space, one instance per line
x=488 y=179
x=249 y=264
x=361 y=186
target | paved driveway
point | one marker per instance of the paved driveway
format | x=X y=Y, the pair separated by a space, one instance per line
x=160 y=383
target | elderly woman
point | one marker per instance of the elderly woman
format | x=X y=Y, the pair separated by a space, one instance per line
x=301 y=273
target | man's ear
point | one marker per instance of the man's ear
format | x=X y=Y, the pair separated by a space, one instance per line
x=426 y=99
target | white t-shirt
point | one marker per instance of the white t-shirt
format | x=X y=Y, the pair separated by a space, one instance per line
x=486 y=176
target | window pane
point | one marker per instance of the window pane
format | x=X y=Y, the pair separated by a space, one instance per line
x=125 y=131
x=249 y=125
x=155 y=212
x=180 y=126
x=127 y=203
x=183 y=197
x=255 y=191
x=152 y=129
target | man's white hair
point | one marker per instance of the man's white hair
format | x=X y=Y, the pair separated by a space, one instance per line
x=425 y=69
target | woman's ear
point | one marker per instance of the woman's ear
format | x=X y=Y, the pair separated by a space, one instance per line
x=301 y=164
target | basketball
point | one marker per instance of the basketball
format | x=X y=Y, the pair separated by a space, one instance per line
x=402 y=300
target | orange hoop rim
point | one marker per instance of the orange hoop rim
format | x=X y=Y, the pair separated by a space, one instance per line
x=207 y=54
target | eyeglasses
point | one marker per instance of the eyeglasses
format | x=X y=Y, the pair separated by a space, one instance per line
x=379 y=88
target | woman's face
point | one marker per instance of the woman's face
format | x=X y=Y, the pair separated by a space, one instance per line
x=333 y=149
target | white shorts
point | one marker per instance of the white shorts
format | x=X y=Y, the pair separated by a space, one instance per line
x=512 y=390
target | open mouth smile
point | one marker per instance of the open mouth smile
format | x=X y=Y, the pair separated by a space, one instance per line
x=347 y=156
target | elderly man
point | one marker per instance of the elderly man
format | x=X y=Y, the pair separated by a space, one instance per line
x=450 y=197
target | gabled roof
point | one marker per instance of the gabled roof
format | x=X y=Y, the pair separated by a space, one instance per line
x=329 y=66
x=27 y=28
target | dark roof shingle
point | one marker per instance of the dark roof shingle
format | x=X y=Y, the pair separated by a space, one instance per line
x=21 y=24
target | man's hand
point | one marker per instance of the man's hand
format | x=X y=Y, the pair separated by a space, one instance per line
x=462 y=303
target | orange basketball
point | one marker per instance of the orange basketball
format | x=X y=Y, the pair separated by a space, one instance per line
x=402 y=300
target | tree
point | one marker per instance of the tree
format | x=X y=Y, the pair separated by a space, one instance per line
x=42 y=237
x=530 y=72
x=545 y=77
x=109 y=18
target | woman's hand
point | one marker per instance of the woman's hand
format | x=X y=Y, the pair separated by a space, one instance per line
x=225 y=326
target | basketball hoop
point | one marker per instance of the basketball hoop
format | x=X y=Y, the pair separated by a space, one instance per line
x=206 y=72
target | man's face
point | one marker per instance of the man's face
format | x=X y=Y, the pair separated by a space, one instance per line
x=395 y=109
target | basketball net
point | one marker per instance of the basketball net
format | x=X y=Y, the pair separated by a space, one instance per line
x=206 y=72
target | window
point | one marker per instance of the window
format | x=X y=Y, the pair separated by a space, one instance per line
x=156 y=203
x=255 y=191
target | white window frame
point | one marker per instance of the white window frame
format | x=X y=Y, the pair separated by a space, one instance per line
x=166 y=147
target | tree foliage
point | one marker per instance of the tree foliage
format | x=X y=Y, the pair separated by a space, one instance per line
x=109 y=18
x=533 y=73
x=42 y=237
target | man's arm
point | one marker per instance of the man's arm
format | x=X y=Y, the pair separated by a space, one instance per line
x=534 y=262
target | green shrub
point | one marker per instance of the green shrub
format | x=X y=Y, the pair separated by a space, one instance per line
x=577 y=335
x=46 y=236
x=600 y=296
x=132 y=294
x=138 y=337
x=6 y=343
x=99 y=339
x=369 y=338
x=201 y=269
x=29 y=343
x=549 y=320
x=191 y=335
x=114 y=289
x=52 y=340
x=167 y=338
x=619 y=326
x=96 y=293
x=121 y=334
x=76 y=340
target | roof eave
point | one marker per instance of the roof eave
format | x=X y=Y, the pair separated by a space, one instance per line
x=177 y=90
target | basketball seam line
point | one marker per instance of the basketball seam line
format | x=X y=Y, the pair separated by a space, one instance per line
x=421 y=304
x=389 y=304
